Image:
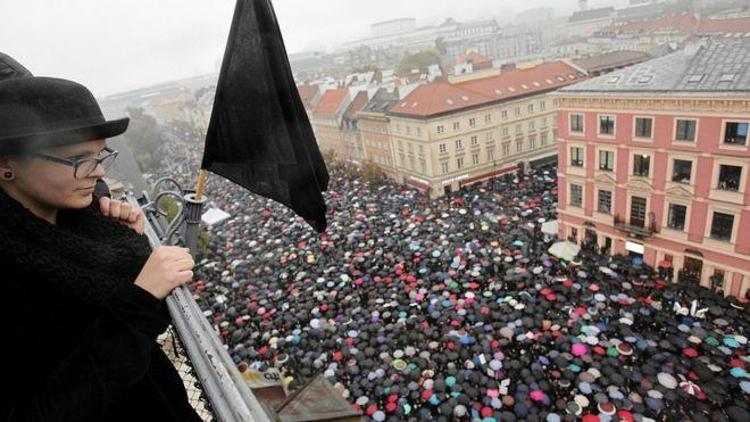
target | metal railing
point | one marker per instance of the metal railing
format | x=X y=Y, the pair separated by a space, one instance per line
x=230 y=398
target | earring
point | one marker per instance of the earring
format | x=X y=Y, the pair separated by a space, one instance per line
x=8 y=175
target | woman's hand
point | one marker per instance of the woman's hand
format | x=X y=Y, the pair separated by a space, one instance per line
x=166 y=268
x=123 y=212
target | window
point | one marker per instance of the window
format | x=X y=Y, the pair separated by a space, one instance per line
x=410 y=147
x=459 y=162
x=543 y=139
x=456 y=125
x=531 y=125
x=576 y=156
x=606 y=125
x=721 y=226
x=506 y=149
x=423 y=165
x=643 y=127
x=402 y=159
x=440 y=129
x=505 y=132
x=542 y=105
x=472 y=122
x=408 y=130
x=544 y=122
x=604 y=204
x=576 y=123
x=735 y=133
x=474 y=141
x=576 y=195
x=532 y=142
x=489 y=136
x=729 y=177
x=459 y=144
x=488 y=118
x=519 y=129
x=419 y=131
x=676 y=217
x=491 y=153
x=400 y=144
x=519 y=145
x=641 y=165
x=681 y=171
x=443 y=148
x=531 y=108
x=444 y=166
x=685 y=130
x=517 y=111
x=606 y=160
x=504 y=114
x=421 y=149
x=398 y=128
x=475 y=158
x=411 y=163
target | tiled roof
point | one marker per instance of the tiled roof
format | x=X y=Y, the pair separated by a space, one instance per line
x=331 y=101
x=685 y=22
x=473 y=57
x=718 y=64
x=381 y=102
x=307 y=93
x=613 y=59
x=356 y=105
x=445 y=97
x=725 y=26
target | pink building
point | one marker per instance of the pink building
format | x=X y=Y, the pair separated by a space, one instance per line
x=654 y=161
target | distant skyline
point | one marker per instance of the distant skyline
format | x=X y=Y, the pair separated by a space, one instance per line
x=113 y=46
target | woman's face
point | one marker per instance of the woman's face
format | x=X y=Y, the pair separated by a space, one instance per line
x=51 y=185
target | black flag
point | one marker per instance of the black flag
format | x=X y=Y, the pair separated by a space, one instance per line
x=259 y=135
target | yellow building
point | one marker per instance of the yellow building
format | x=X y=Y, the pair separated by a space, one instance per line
x=374 y=126
x=446 y=135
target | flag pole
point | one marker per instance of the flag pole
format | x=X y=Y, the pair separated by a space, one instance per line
x=201 y=184
x=193 y=210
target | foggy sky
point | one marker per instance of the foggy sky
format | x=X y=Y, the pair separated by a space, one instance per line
x=116 y=45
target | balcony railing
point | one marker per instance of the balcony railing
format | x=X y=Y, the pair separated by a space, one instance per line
x=634 y=230
x=229 y=395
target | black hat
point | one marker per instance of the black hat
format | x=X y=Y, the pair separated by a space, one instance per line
x=40 y=112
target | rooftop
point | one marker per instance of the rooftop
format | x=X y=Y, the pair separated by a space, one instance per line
x=720 y=64
x=612 y=59
x=381 y=102
x=445 y=97
x=331 y=101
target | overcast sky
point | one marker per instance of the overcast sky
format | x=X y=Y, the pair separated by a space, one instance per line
x=117 y=45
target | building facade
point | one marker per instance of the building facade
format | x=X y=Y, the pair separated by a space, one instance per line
x=654 y=162
x=374 y=126
x=328 y=120
x=447 y=135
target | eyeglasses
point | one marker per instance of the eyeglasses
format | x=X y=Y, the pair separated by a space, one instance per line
x=83 y=167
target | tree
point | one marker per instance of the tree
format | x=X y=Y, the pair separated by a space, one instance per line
x=144 y=137
x=440 y=46
x=372 y=173
x=421 y=61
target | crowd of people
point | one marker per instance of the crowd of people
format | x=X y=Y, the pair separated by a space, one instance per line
x=453 y=309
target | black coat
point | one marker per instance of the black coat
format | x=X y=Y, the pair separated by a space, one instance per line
x=68 y=356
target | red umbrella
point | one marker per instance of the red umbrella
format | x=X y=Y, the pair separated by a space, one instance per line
x=665 y=264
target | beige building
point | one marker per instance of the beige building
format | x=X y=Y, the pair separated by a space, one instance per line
x=447 y=135
x=327 y=121
x=375 y=130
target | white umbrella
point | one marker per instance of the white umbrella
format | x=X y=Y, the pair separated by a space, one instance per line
x=564 y=250
x=550 y=227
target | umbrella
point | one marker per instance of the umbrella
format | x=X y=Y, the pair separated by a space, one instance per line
x=564 y=250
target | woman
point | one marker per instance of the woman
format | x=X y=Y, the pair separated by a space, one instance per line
x=82 y=293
